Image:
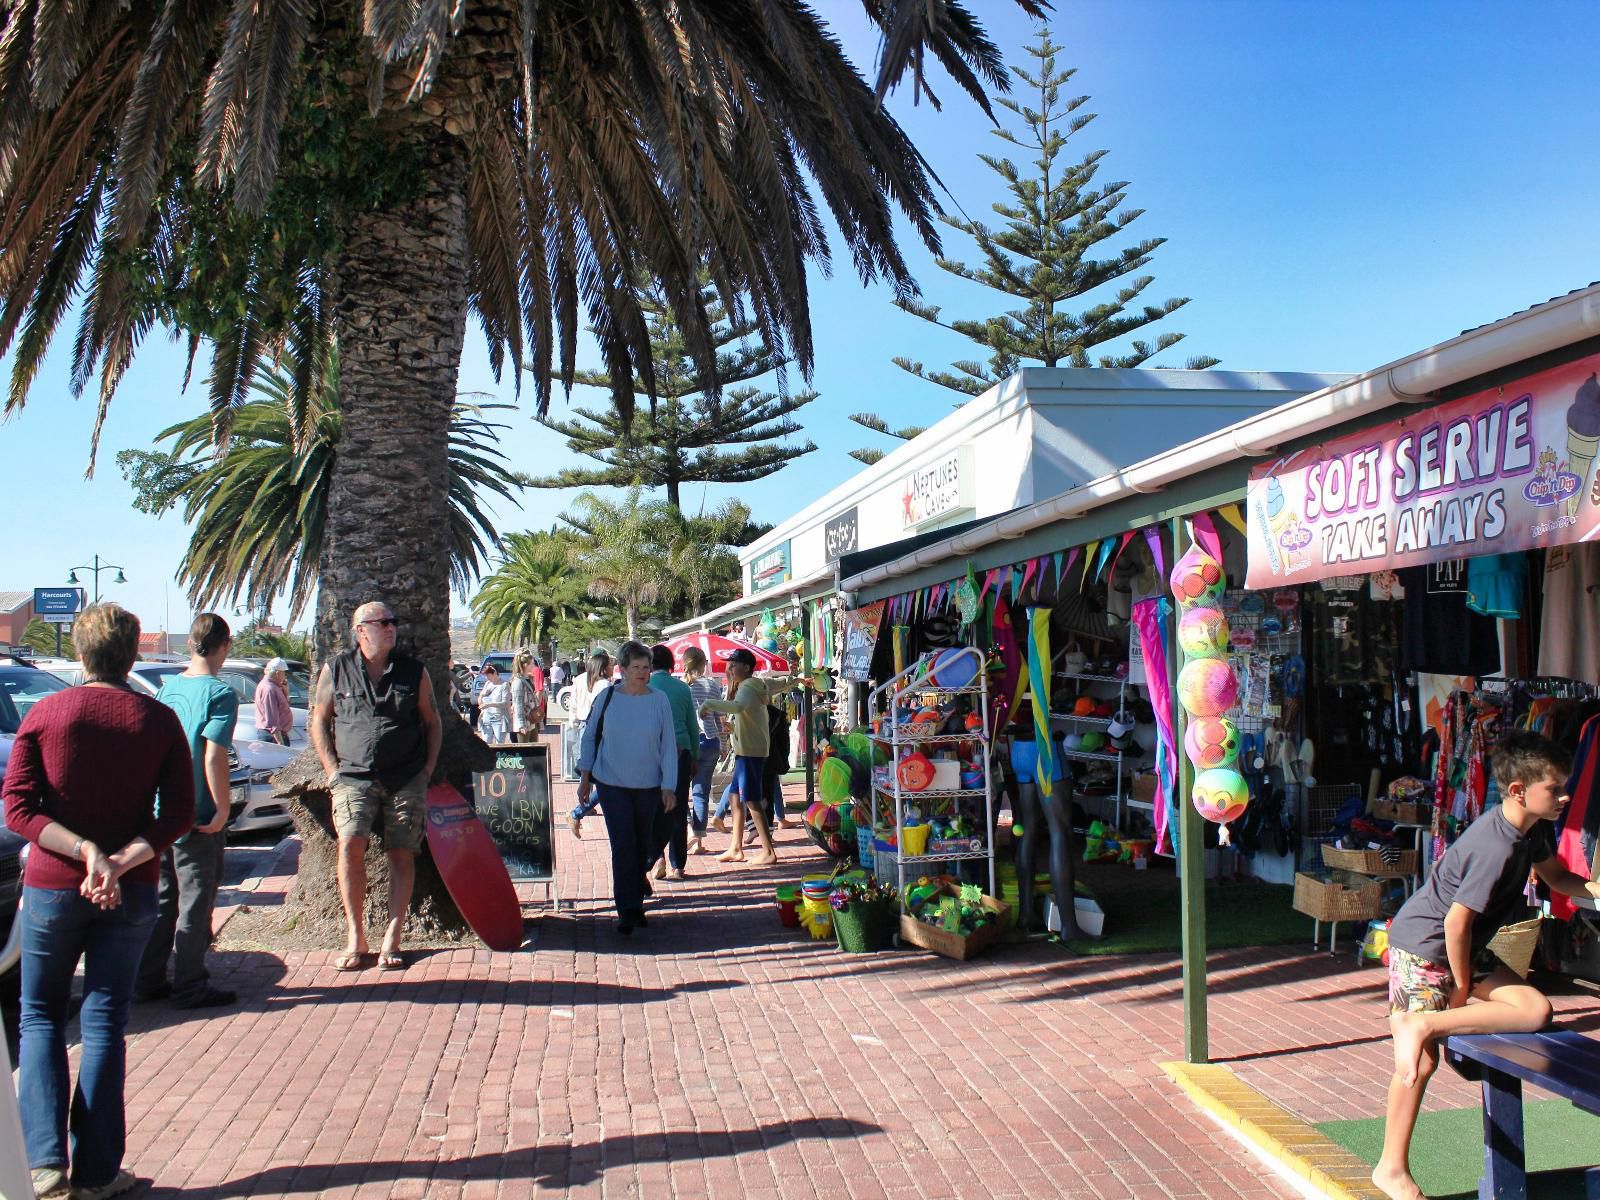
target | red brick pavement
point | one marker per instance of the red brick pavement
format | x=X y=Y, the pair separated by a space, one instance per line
x=716 y=1054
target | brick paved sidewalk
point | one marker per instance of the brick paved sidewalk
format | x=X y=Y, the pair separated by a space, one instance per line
x=716 y=1054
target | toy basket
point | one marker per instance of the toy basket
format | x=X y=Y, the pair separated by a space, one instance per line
x=1369 y=862
x=864 y=927
x=864 y=846
x=1514 y=944
x=1334 y=899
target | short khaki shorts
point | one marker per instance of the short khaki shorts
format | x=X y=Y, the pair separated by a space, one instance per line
x=358 y=804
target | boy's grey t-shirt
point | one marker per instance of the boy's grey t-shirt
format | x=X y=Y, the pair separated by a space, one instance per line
x=1486 y=870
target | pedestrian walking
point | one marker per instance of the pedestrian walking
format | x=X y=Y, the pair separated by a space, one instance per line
x=191 y=870
x=774 y=765
x=377 y=731
x=474 y=690
x=274 y=716
x=540 y=693
x=712 y=744
x=673 y=826
x=633 y=773
x=524 y=700
x=558 y=677
x=747 y=704
x=586 y=690
x=494 y=706
x=85 y=770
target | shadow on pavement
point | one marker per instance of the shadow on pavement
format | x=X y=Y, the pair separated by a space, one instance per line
x=565 y=992
x=554 y=1166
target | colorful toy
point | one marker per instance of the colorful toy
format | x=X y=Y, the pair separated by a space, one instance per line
x=1203 y=633
x=954 y=668
x=1198 y=579
x=1207 y=687
x=833 y=780
x=1220 y=794
x=1211 y=742
x=915 y=772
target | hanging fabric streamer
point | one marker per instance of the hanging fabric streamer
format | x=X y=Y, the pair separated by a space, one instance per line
x=1233 y=515
x=1039 y=668
x=1150 y=619
x=1072 y=558
x=1126 y=538
x=1013 y=673
x=1028 y=573
x=1057 y=557
x=1089 y=552
x=1106 y=547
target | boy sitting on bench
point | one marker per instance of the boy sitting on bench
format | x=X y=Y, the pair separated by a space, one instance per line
x=1438 y=944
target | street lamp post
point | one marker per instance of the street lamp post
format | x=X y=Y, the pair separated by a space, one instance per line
x=96 y=567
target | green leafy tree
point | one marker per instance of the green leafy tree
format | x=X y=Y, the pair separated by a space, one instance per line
x=622 y=551
x=259 y=509
x=1050 y=251
x=241 y=171
x=699 y=430
x=535 y=587
x=877 y=424
x=41 y=635
x=255 y=642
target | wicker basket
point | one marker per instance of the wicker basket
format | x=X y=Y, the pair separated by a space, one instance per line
x=1337 y=899
x=1514 y=944
x=1369 y=862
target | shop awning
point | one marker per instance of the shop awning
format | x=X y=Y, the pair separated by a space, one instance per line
x=1213 y=470
x=820 y=583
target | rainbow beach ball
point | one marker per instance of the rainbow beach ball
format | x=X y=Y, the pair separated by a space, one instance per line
x=1197 y=579
x=1207 y=687
x=1220 y=795
x=1203 y=633
x=1211 y=742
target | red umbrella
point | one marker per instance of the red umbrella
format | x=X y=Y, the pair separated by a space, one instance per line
x=717 y=649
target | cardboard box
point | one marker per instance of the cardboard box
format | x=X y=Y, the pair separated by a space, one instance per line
x=1403 y=813
x=1144 y=788
x=953 y=945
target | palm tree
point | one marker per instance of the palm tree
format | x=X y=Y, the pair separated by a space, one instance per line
x=259 y=510
x=534 y=588
x=700 y=554
x=240 y=170
x=622 y=551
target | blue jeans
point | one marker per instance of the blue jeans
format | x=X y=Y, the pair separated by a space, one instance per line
x=58 y=928
x=700 y=785
x=630 y=815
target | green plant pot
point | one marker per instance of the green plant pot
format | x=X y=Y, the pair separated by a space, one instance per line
x=863 y=928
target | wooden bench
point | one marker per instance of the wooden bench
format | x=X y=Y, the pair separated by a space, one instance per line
x=1563 y=1064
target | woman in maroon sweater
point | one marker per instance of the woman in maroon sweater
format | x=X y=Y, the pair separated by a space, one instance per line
x=82 y=786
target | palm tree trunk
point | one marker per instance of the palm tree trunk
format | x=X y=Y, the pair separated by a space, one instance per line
x=401 y=317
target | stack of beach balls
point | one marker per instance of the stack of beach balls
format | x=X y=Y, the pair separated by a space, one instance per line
x=1207 y=688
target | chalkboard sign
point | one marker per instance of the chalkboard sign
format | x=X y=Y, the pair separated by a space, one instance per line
x=513 y=802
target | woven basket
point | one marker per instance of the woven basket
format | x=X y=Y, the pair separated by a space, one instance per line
x=1334 y=900
x=1369 y=862
x=1514 y=944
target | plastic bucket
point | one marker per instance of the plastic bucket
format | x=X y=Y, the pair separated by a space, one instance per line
x=914 y=840
x=863 y=928
x=789 y=913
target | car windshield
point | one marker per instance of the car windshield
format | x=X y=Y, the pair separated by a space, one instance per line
x=243 y=681
x=20 y=687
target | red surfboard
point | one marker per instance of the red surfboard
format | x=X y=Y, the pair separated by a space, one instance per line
x=472 y=869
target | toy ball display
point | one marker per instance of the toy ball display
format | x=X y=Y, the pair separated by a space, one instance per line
x=1207 y=687
x=1198 y=579
x=822 y=817
x=833 y=780
x=1220 y=795
x=1211 y=742
x=1203 y=633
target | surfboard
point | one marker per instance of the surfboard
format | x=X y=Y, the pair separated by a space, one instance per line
x=473 y=872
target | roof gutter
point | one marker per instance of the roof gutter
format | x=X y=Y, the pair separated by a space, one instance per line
x=1409 y=380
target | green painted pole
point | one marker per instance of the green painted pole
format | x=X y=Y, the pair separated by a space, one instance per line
x=1192 y=861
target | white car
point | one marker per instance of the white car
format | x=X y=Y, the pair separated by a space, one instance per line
x=252 y=805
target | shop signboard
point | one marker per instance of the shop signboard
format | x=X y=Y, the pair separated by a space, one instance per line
x=771 y=569
x=57 y=606
x=1502 y=470
x=942 y=487
x=860 y=637
x=513 y=802
x=842 y=535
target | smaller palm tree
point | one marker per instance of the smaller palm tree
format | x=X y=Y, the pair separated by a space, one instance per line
x=535 y=587
x=623 y=551
x=259 y=507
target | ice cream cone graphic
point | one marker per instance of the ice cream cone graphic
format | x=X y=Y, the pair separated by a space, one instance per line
x=1583 y=437
x=1271 y=513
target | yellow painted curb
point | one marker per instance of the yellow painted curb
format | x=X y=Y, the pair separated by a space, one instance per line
x=1289 y=1143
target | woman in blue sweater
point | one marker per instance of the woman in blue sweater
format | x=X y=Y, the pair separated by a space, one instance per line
x=630 y=760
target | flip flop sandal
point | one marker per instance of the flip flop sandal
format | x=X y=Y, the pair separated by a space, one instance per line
x=391 y=962
x=354 y=962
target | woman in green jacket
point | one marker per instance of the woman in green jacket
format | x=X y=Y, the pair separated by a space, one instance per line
x=747 y=705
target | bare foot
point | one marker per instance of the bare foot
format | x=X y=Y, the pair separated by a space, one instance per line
x=699 y=847
x=731 y=856
x=678 y=874
x=1396 y=1184
x=1410 y=1031
x=764 y=860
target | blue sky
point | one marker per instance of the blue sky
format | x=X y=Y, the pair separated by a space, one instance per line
x=1339 y=185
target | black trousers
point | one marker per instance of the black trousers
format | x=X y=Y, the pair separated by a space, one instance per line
x=672 y=828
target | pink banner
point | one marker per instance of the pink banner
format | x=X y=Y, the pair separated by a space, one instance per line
x=1505 y=469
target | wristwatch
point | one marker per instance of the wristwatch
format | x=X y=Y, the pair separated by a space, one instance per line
x=77 y=850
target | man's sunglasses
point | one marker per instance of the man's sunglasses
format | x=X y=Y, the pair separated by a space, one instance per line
x=391 y=622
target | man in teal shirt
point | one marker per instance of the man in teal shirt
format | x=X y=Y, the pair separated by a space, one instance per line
x=672 y=828
x=207 y=709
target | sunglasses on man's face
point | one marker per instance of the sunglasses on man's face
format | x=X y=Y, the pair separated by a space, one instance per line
x=386 y=622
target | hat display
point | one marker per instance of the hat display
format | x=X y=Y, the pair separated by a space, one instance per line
x=1091 y=742
x=1121 y=725
x=1124 y=741
x=1083 y=707
x=1104 y=709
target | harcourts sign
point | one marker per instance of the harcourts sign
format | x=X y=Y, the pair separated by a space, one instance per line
x=57 y=602
x=936 y=490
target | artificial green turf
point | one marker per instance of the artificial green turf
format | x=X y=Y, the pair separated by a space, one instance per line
x=1143 y=916
x=1447 y=1148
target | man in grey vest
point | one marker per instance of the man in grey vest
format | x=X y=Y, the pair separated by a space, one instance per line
x=377 y=731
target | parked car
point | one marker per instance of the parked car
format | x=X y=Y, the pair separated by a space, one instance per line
x=252 y=804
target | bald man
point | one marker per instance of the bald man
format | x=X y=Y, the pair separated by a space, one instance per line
x=376 y=729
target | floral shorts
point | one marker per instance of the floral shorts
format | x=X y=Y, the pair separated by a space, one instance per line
x=1417 y=985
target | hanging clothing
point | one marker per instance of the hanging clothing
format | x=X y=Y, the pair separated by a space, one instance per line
x=1497 y=584
x=1579 y=828
x=1439 y=634
x=1570 y=644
